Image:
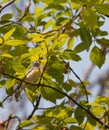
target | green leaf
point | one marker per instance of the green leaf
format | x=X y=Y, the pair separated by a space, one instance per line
x=75 y=128
x=15 y=42
x=55 y=6
x=18 y=67
x=70 y=120
x=25 y=56
x=42 y=119
x=56 y=71
x=72 y=83
x=9 y=33
x=103 y=8
x=2 y=83
x=85 y=36
x=63 y=21
x=92 y=121
x=80 y=47
x=31 y=94
x=50 y=94
x=15 y=52
x=70 y=55
x=6 y=16
x=104 y=41
x=79 y=115
x=97 y=56
x=29 y=17
x=67 y=86
x=98 y=32
x=90 y=17
x=22 y=31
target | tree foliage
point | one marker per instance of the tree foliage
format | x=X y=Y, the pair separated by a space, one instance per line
x=47 y=31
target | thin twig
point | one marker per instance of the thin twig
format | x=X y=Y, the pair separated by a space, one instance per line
x=6 y=24
x=10 y=21
x=26 y=11
x=81 y=83
x=4 y=99
x=35 y=108
x=9 y=3
x=6 y=123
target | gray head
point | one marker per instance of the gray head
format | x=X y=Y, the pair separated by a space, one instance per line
x=35 y=64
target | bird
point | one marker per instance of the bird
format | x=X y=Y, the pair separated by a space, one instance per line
x=31 y=77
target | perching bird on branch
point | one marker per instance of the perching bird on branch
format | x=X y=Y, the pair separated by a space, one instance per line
x=31 y=77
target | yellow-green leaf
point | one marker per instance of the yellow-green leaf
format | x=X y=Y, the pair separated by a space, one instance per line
x=39 y=128
x=70 y=43
x=1 y=40
x=99 y=111
x=10 y=83
x=9 y=33
x=37 y=39
x=38 y=11
x=25 y=123
x=97 y=56
x=90 y=17
x=7 y=55
x=15 y=42
x=62 y=36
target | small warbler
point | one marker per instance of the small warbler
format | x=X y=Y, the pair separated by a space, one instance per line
x=32 y=76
